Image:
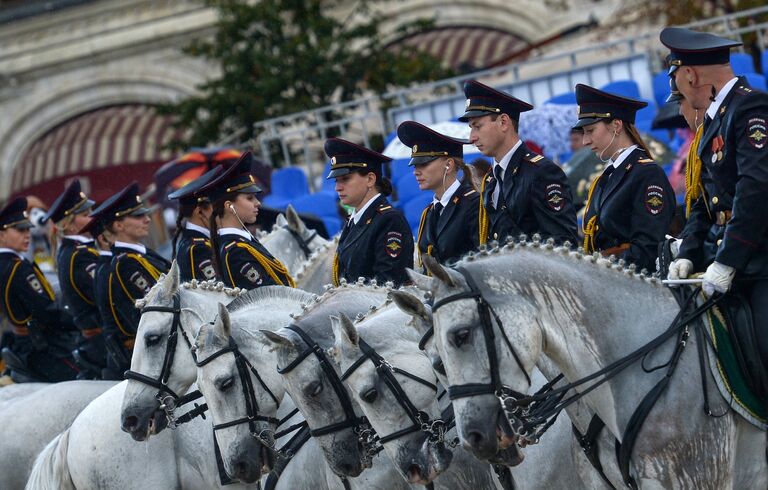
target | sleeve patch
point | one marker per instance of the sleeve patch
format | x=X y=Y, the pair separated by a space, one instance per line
x=757 y=132
x=91 y=270
x=141 y=282
x=654 y=199
x=206 y=267
x=249 y=272
x=34 y=283
x=394 y=244
x=554 y=196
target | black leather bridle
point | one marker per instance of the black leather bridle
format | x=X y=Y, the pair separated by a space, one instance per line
x=420 y=420
x=169 y=399
x=303 y=244
x=244 y=370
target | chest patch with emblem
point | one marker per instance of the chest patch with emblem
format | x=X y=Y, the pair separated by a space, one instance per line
x=554 y=196
x=206 y=267
x=34 y=283
x=141 y=282
x=393 y=245
x=249 y=272
x=654 y=199
x=757 y=132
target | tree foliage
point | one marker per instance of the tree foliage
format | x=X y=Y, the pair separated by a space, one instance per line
x=283 y=56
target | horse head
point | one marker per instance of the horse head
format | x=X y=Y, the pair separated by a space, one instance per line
x=241 y=405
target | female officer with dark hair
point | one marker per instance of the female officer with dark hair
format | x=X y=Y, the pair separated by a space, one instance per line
x=241 y=260
x=376 y=243
x=448 y=227
x=191 y=243
x=631 y=205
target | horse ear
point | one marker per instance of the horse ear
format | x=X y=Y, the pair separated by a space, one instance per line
x=294 y=221
x=226 y=325
x=419 y=280
x=275 y=340
x=348 y=330
x=410 y=304
x=171 y=280
x=438 y=271
x=280 y=220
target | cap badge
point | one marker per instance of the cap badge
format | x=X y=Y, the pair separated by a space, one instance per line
x=415 y=148
x=333 y=160
x=468 y=103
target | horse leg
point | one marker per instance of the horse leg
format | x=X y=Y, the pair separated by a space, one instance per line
x=751 y=465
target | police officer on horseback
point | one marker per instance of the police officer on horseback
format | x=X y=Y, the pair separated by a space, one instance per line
x=726 y=234
x=76 y=260
x=40 y=347
x=524 y=192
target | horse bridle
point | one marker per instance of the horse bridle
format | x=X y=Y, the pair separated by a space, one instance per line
x=169 y=399
x=487 y=317
x=244 y=370
x=303 y=244
x=351 y=420
x=420 y=421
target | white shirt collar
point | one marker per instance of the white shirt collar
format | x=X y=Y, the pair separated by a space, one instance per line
x=133 y=246
x=235 y=231
x=448 y=194
x=504 y=162
x=715 y=105
x=623 y=156
x=105 y=253
x=10 y=251
x=79 y=238
x=197 y=228
x=359 y=212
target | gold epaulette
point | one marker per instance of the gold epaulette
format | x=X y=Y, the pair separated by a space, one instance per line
x=470 y=193
x=533 y=158
x=383 y=208
x=646 y=160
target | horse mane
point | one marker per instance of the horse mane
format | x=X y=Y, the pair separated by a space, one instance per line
x=258 y=295
x=315 y=257
x=211 y=285
x=548 y=246
x=361 y=285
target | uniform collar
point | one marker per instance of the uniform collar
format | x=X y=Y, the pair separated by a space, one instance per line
x=504 y=162
x=715 y=105
x=105 y=253
x=138 y=247
x=359 y=212
x=197 y=228
x=448 y=194
x=623 y=156
x=235 y=231
x=79 y=238
x=4 y=250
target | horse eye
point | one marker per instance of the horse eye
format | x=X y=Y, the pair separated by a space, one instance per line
x=315 y=388
x=151 y=340
x=461 y=336
x=226 y=384
x=370 y=395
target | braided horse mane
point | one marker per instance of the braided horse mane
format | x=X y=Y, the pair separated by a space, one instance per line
x=213 y=286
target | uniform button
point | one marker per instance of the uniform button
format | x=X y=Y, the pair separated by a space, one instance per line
x=719 y=242
x=715 y=200
x=495 y=236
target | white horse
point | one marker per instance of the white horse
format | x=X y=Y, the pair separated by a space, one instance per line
x=36 y=414
x=316 y=271
x=584 y=312
x=291 y=242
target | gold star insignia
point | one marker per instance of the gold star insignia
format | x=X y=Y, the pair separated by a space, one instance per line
x=654 y=201
x=757 y=135
x=393 y=246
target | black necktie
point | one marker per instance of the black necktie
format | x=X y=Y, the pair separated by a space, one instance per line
x=434 y=218
x=498 y=172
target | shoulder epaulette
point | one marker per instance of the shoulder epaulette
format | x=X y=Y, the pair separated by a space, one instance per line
x=385 y=207
x=199 y=240
x=470 y=193
x=745 y=89
x=646 y=160
x=230 y=244
x=533 y=157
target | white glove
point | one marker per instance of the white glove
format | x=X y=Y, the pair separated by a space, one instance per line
x=680 y=269
x=718 y=278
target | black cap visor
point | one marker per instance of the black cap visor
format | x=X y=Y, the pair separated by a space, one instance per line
x=475 y=113
x=422 y=160
x=581 y=123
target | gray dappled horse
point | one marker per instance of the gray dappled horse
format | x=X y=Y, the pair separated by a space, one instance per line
x=315 y=274
x=584 y=312
x=291 y=242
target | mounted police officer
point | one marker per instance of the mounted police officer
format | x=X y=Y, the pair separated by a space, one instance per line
x=134 y=268
x=241 y=260
x=727 y=231
x=448 y=227
x=525 y=192
x=40 y=347
x=631 y=205
x=76 y=260
x=376 y=242
x=193 y=252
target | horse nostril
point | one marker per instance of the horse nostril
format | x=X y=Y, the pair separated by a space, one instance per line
x=130 y=423
x=414 y=473
x=475 y=438
x=437 y=365
x=241 y=468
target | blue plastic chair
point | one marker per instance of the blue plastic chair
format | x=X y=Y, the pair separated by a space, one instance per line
x=568 y=98
x=287 y=184
x=742 y=63
x=660 y=88
x=400 y=168
x=319 y=204
x=764 y=61
x=328 y=185
x=625 y=88
x=413 y=209
x=407 y=189
x=756 y=81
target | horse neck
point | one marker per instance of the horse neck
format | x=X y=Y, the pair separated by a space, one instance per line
x=316 y=271
x=284 y=247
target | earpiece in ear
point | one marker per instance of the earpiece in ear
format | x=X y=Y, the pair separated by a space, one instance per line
x=447 y=167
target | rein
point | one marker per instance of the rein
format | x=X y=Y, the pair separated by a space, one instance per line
x=170 y=400
x=303 y=244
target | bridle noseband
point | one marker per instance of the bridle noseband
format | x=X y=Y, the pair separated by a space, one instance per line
x=487 y=317
x=244 y=366
x=169 y=399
